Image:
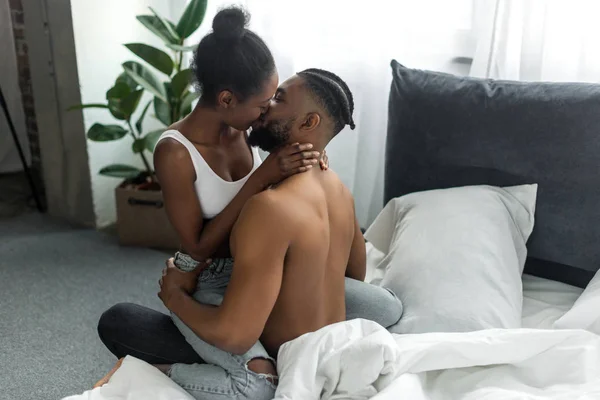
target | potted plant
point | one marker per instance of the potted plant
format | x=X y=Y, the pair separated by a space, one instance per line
x=141 y=217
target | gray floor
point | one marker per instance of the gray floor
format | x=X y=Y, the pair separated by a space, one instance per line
x=55 y=282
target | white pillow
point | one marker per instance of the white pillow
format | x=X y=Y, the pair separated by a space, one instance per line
x=374 y=258
x=585 y=313
x=455 y=256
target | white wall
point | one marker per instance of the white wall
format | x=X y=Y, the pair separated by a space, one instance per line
x=101 y=28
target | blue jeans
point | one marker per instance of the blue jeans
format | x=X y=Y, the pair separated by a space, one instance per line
x=226 y=376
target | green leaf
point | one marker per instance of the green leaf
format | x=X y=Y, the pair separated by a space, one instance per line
x=114 y=106
x=168 y=25
x=120 y=171
x=162 y=111
x=188 y=98
x=91 y=105
x=119 y=91
x=177 y=47
x=157 y=26
x=115 y=96
x=129 y=104
x=138 y=124
x=151 y=138
x=192 y=18
x=145 y=78
x=105 y=133
x=153 y=56
x=184 y=111
x=171 y=99
x=138 y=145
x=180 y=82
x=126 y=79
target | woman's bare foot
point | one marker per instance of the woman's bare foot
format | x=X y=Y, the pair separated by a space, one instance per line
x=110 y=373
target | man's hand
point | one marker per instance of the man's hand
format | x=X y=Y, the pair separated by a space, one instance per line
x=259 y=243
x=175 y=281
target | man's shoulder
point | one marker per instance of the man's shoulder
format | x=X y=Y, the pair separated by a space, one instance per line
x=268 y=201
x=264 y=211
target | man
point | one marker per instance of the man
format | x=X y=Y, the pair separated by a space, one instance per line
x=293 y=245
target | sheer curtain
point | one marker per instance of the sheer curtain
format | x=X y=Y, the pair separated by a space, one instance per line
x=537 y=40
x=357 y=40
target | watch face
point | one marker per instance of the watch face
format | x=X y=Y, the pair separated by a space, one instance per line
x=185 y=262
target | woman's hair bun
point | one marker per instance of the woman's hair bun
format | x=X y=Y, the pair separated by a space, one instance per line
x=229 y=25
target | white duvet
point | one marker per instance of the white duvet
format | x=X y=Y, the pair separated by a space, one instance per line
x=136 y=380
x=360 y=360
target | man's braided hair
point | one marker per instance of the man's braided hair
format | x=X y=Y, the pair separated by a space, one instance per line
x=331 y=93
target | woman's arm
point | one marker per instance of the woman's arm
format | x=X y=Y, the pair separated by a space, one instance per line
x=176 y=175
x=175 y=172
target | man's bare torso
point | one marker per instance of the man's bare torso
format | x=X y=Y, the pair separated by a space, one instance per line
x=312 y=290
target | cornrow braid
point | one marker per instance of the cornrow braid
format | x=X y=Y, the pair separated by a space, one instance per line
x=332 y=93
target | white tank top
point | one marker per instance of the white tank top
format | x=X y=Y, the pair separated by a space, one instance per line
x=214 y=192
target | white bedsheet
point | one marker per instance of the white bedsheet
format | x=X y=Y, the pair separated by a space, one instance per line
x=545 y=301
x=360 y=360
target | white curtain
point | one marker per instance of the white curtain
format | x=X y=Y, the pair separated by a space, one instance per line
x=357 y=40
x=537 y=40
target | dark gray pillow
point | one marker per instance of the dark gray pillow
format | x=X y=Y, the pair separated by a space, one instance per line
x=447 y=131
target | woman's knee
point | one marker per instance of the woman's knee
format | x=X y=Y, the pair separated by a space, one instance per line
x=112 y=321
x=394 y=304
x=386 y=307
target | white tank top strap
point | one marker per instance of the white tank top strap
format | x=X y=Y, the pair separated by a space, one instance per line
x=197 y=159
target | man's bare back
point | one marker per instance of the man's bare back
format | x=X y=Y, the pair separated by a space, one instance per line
x=320 y=210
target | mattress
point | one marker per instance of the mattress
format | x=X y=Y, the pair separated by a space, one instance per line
x=545 y=301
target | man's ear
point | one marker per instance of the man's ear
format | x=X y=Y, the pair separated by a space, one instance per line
x=226 y=99
x=311 y=121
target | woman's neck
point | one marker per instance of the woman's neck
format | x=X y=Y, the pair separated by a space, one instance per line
x=204 y=125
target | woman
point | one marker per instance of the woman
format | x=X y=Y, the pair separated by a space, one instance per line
x=207 y=172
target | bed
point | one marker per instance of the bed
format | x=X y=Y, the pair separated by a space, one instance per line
x=544 y=301
x=523 y=156
x=516 y=165
x=521 y=161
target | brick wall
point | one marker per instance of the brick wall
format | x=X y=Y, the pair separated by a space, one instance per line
x=18 y=22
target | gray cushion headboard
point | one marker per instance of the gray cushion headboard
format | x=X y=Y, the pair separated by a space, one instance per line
x=447 y=131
